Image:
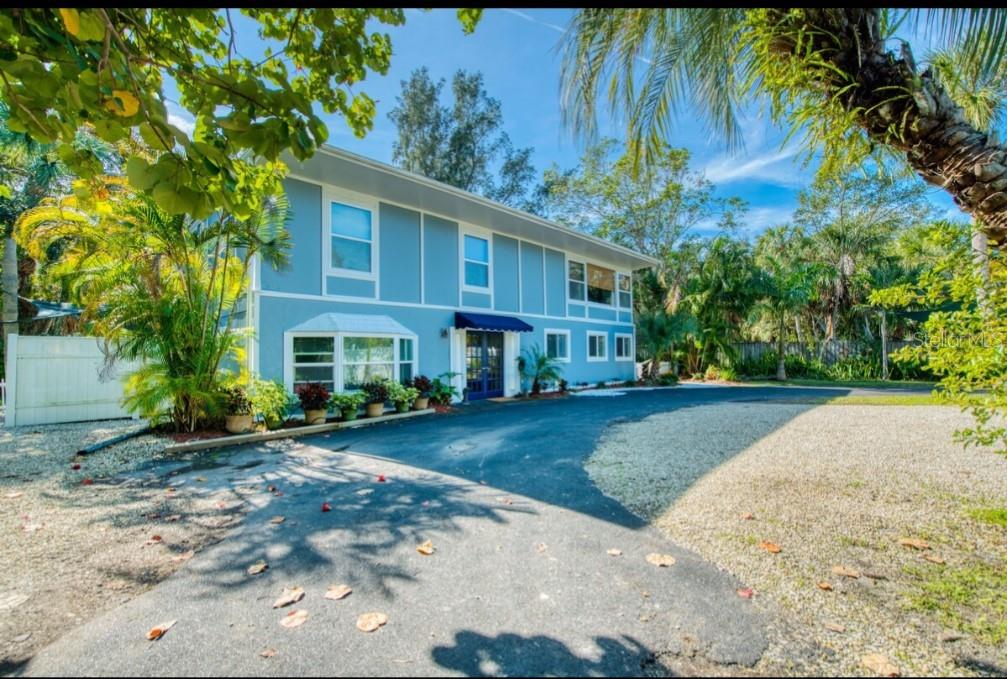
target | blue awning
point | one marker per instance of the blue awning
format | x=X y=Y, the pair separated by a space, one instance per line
x=490 y=322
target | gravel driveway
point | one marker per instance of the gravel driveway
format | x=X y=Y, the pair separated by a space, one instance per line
x=832 y=486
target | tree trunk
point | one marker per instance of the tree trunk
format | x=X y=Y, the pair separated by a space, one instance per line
x=781 y=358
x=923 y=124
x=884 y=346
x=10 y=290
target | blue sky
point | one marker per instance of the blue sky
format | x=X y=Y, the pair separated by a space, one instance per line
x=517 y=52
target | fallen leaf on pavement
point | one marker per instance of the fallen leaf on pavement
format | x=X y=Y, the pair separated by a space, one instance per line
x=661 y=560
x=158 y=631
x=268 y=653
x=914 y=543
x=827 y=586
x=294 y=618
x=75 y=466
x=541 y=547
x=770 y=547
x=381 y=478
x=614 y=552
x=257 y=567
x=13 y=495
x=173 y=517
x=746 y=592
x=506 y=500
x=933 y=558
x=278 y=519
x=184 y=556
x=88 y=482
x=426 y=549
x=326 y=507
x=844 y=572
x=12 y=600
x=337 y=592
x=22 y=637
x=880 y=665
x=747 y=516
x=835 y=627
x=201 y=479
x=368 y=622
x=291 y=595
x=365 y=491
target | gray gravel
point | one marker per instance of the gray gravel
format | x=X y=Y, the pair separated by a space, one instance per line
x=831 y=486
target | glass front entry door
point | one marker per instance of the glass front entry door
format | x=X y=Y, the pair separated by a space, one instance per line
x=484 y=364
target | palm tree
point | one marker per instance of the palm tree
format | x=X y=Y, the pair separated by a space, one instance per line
x=784 y=291
x=827 y=72
x=157 y=288
x=657 y=334
x=539 y=367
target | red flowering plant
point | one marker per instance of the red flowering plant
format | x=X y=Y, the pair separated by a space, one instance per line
x=313 y=396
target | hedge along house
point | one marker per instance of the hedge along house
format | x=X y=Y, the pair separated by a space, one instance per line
x=393 y=274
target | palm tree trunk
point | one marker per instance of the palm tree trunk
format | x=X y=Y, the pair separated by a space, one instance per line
x=781 y=359
x=10 y=289
x=924 y=124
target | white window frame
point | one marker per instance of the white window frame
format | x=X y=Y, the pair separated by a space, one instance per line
x=626 y=336
x=360 y=201
x=569 y=350
x=618 y=299
x=338 y=373
x=587 y=348
x=482 y=234
x=569 y=280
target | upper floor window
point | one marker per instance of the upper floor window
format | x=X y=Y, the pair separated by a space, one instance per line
x=600 y=284
x=625 y=291
x=477 y=262
x=575 y=275
x=351 y=239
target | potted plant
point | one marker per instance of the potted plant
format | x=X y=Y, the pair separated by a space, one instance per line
x=347 y=403
x=402 y=396
x=238 y=419
x=314 y=400
x=424 y=389
x=375 y=396
x=271 y=400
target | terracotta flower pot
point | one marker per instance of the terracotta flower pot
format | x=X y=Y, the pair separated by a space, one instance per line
x=238 y=424
x=375 y=409
x=315 y=416
x=421 y=403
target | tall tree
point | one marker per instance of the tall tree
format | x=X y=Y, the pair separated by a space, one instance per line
x=112 y=67
x=830 y=73
x=461 y=143
x=850 y=220
x=655 y=209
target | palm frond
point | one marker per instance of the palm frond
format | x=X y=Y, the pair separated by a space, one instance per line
x=967 y=26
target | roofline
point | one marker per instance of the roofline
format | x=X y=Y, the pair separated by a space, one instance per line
x=475 y=198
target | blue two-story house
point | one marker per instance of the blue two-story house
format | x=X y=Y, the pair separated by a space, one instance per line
x=393 y=274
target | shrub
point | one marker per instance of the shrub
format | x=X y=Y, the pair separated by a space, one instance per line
x=401 y=395
x=697 y=376
x=375 y=391
x=441 y=391
x=347 y=401
x=729 y=374
x=236 y=401
x=536 y=366
x=667 y=379
x=270 y=400
x=424 y=385
x=313 y=396
x=563 y=386
x=712 y=373
x=601 y=385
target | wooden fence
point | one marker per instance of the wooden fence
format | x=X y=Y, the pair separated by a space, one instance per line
x=828 y=353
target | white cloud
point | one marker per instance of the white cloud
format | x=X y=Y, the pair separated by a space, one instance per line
x=528 y=17
x=184 y=123
x=771 y=167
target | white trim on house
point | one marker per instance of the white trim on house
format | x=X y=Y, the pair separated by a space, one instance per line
x=463 y=286
x=626 y=336
x=334 y=194
x=596 y=359
x=412 y=305
x=569 y=349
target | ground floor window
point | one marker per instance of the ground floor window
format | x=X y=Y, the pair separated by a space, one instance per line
x=557 y=345
x=597 y=346
x=345 y=362
x=314 y=361
x=623 y=347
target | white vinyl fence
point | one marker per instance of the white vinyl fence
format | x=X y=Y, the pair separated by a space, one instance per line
x=60 y=379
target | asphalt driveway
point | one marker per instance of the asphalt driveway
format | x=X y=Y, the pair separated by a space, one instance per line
x=520 y=584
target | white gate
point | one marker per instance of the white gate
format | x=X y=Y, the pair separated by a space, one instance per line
x=60 y=379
